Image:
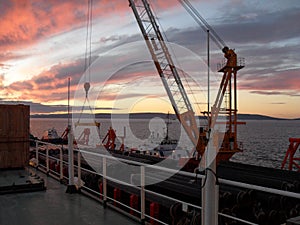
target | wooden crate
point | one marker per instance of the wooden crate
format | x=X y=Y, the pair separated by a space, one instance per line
x=14 y=136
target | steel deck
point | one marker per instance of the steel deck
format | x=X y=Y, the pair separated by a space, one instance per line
x=54 y=206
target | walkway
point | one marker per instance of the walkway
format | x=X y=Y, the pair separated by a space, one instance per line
x=55 y=207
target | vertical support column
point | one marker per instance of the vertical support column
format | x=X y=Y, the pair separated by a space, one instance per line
x=37 y=153
x=203 y=200
x=230 y=108
x=71 y=187
x=79 y=168
x=216 y=208
x=104 y=183
x=142 y=194
x=210 y=190
x=47 y=159
x=61 y=173
x=208 y=75
x=235 y=109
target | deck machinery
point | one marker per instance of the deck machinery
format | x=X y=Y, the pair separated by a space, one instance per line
x=290 y=159
x=171 y=79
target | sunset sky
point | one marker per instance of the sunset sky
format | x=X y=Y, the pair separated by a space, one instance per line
x=42 y=43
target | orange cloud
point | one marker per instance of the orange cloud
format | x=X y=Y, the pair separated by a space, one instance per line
x=51 y=85
x=25 y=22
x=48 y=86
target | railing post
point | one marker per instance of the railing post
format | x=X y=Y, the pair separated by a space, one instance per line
x=210 y=190
x=37 y=153
x=47 y=159
x=203 y=200
x=61 y=164
x=79 y=168
x=71 y=186
x=104 y=183
x=142 y=194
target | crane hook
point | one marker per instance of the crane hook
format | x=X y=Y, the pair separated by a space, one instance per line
x=86 y=88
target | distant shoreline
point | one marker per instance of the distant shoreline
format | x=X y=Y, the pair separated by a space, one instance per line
x=152 y=115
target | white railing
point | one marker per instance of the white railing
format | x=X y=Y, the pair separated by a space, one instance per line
x=104 y=195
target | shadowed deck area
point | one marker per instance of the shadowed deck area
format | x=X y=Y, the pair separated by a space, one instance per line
x=54 y=206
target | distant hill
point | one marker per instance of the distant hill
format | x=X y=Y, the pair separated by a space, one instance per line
x=257 y=117
x=107 y=115
x=152 y=115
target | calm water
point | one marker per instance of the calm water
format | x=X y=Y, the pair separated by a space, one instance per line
x=264 y=141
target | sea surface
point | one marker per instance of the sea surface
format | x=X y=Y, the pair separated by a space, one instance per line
x=264 y=142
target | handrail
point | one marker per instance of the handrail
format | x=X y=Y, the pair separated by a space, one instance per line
x=142 y=190
x=260 y=188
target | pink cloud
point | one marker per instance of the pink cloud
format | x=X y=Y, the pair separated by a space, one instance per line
x=25 y=22
x=286 y=82
x=49 y=85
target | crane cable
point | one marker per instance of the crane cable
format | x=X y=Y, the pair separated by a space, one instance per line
x=88 y=41
x=87 y=57
x=220 y=43
x=203 y=23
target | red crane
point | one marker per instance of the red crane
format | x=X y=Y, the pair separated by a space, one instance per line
x=171 y=79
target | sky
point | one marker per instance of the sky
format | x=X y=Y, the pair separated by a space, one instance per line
x=43 y=43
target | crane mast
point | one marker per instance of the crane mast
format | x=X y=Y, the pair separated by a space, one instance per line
x=169 y=74
x=170 y=77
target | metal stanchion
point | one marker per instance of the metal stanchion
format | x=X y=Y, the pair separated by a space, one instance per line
x=104 y=183
x=71 y=186
x=142 y=194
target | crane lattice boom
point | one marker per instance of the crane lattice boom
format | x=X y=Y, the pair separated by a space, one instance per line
x=169 y=74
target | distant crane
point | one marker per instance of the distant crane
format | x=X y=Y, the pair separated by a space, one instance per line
x=290 y=157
